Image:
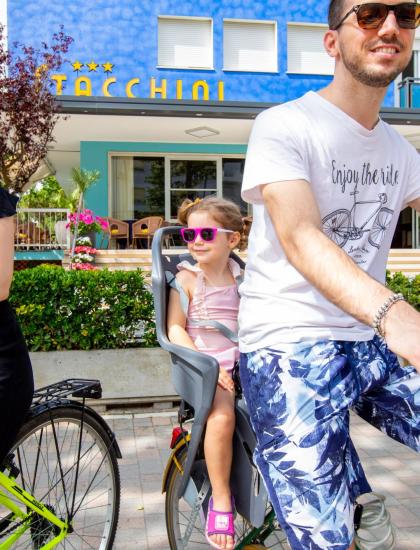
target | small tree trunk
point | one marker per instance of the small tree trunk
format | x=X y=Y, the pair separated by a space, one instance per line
x=76 y=229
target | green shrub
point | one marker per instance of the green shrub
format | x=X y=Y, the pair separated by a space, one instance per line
x=63 y=310
x=410 y=288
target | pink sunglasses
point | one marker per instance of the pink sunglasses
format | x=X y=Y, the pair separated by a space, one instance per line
x=208 y=234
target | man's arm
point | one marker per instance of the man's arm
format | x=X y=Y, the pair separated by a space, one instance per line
x=415 y=204
x=6 y=256
x=297 y=222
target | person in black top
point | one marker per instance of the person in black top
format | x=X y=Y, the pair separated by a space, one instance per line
x=16 y=379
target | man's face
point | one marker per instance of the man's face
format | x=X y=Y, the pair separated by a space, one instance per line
x=374 y=57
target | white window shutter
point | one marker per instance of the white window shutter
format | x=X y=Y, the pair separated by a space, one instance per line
x=416 y=45
x=305 y=50
x=250 y=46
x=185 y=43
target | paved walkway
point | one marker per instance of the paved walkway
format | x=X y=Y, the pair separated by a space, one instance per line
x=144 y=440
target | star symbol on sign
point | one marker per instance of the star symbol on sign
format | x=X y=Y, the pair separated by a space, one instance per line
x=92 y=66
x=107 y=67
x=77 y=65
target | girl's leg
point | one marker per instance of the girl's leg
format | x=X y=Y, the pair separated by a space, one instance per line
x=218 y=453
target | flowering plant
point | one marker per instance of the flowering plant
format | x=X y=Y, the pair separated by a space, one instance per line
x=84 y=255
x=88 y=222
x=84 y=267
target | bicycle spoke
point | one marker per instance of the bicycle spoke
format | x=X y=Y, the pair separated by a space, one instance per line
x=66 y=464
x=179 y=513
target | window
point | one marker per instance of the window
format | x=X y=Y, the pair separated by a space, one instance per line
x=250 y=46
x=154 y=185
x=305 y=50
x=233 y=172
x=138 y=187
x=3 y=13
x=191 y=179
x=416 y=52
x=185 y=42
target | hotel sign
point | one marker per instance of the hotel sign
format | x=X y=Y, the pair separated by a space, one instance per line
x=200 y=89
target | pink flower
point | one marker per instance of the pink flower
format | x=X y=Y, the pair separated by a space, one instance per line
x=84 y=267
x=87 y=221
x=85 y=249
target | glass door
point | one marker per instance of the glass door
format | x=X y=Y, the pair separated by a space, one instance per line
x=189 y=178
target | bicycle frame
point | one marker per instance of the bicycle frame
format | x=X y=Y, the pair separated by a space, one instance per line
x=353 y=214
x=34 y=506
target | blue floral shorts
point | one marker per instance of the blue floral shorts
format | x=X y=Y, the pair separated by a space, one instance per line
x=299 y=397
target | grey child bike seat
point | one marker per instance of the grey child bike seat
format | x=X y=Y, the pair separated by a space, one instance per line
x=194 y=374
x=195 y=377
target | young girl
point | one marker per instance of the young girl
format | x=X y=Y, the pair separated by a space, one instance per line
x=214 y=228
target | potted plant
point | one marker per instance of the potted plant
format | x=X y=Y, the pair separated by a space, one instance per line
x=85 y=224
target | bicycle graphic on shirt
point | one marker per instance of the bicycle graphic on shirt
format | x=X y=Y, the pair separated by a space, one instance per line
x=342 y=225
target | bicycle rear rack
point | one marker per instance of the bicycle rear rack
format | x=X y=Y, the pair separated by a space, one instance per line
x=74 y=387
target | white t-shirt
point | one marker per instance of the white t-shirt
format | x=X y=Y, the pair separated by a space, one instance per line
x=361 y=180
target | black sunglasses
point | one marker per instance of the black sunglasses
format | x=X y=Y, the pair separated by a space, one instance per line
x=373 y=14
x=208 y=234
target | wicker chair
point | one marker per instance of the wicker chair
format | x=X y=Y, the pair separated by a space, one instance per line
x=117 y=229
x=146 y=228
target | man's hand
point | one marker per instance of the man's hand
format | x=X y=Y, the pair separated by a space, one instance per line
x=402 y=332
x=225 y=381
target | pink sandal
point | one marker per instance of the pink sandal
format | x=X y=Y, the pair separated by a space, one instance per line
x=219 y=523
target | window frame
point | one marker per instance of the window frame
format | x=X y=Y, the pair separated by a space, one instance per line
x=245 y=22
x=173 y=156
x=307 y=25
x=211 y=46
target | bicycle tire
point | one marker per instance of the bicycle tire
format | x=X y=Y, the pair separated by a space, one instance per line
x=336 y=226
x=380 y=225
x=178 y=511
x=88 y=496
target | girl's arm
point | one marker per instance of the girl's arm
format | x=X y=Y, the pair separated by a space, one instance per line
x=6 y=256
x=177 y=321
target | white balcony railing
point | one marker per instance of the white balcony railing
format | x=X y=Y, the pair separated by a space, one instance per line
x=42 y=229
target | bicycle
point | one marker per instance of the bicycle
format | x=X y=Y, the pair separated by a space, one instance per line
x=342 y=225
x=60 y=483
x=185 y=480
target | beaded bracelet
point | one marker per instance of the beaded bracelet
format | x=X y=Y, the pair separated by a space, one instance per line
x=382 y=311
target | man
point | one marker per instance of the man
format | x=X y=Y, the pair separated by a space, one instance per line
x=318 y=329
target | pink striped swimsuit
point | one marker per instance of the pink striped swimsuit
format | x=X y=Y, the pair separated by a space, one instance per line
x=219 y=303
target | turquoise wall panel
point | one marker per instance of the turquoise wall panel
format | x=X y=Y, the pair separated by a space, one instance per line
x=39 y=255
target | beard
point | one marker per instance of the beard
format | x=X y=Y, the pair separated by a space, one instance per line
x=375 y=78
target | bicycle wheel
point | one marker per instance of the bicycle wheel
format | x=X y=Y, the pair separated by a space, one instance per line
x=84 y=492
x=380 y=225
x=185 y=522
x=337 y=226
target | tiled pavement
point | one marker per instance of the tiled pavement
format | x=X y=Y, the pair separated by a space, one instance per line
x=144 y=441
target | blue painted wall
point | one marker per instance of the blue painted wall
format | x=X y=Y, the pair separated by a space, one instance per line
x=124 y=32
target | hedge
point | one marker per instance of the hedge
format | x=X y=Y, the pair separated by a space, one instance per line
x=409 y=287
x=65 y=310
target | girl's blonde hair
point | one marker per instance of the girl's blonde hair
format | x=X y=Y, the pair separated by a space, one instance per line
x=225 y=212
